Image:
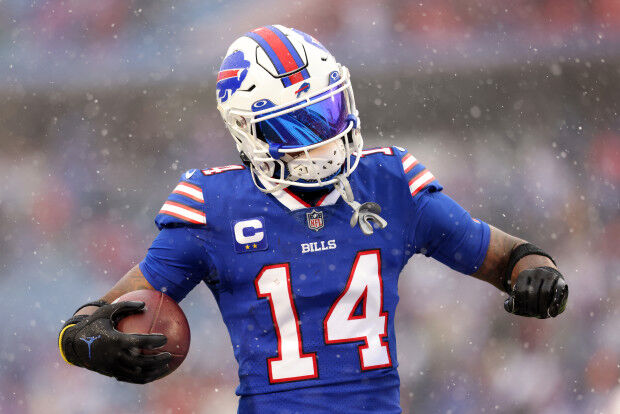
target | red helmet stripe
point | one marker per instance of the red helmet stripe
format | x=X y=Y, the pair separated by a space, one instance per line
x=297 y=77
x=280 y=49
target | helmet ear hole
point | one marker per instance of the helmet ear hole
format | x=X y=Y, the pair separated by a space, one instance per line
x=268 y=168
x=241 y=122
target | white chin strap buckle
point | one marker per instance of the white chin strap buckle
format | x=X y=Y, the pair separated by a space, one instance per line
x=366 y=215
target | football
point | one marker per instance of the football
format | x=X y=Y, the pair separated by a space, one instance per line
x=163 y=315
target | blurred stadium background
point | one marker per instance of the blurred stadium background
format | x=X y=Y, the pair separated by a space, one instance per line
x=513 y=106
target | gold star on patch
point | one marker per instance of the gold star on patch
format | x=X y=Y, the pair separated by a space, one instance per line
x=247 y=247
x=254 y=245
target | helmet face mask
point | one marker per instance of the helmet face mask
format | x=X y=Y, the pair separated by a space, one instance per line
x=299 y=128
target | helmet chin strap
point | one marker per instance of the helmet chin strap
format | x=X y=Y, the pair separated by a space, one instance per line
x=363 y=214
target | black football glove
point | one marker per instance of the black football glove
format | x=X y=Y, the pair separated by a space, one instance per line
x=94 y=343
x=541 y=292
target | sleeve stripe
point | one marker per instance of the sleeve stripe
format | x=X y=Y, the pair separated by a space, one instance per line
x=409 y=161
x=189 y=190
x=183 y=212
x=420 y=181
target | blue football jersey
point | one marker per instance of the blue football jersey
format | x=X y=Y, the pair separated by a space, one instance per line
x=309 y=302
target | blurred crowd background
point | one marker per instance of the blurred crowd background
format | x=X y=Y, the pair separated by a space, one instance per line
x=512 y=105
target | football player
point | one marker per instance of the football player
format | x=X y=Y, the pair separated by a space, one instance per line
x=302 y=244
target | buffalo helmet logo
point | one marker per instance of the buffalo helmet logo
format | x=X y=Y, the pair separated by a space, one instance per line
x=315 y=220
x=233 y=71
x=305 y=87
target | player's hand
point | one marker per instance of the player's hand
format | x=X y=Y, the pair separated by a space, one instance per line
x=94 y=343
x=540 y=292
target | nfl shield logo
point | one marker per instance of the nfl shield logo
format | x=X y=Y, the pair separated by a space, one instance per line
x=315 y=220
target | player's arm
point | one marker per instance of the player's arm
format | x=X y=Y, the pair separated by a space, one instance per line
x=527 y=273
x=442 y=229
x=175 y=263
x=446 y=232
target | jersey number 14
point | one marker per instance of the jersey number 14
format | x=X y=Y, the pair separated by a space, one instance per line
x=340 y=325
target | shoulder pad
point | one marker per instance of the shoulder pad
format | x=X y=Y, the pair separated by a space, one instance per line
x=418 y=177
x=185 y=205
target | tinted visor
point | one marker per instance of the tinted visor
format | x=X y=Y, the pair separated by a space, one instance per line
x=306 y=126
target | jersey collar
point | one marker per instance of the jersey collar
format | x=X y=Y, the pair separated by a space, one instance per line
x=289 y=200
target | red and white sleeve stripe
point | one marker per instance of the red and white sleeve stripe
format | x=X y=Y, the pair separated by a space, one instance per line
x=409 y=161
x=420 y=181
x=183 y=212
x=189 y=190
